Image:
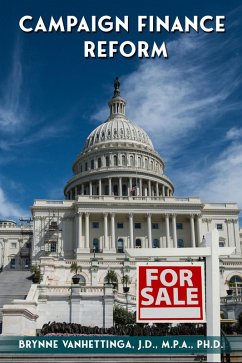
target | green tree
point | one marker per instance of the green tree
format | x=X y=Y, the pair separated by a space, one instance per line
x=123 y=317
x=111 y=277
x=75 y=267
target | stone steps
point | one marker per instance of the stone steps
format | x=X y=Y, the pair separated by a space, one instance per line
x=13 y=285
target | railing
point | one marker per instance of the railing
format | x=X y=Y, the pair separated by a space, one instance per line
x=66 y=290
x=125 y=298
x=140 y=198
x=231 y=299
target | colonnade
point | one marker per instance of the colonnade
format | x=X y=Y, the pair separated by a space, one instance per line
x=120 y=186
x=109 y=237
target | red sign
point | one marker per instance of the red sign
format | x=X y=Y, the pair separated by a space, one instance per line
x=170 y=292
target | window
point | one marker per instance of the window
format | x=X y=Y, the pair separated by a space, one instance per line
x=235 y=284
x=221 y=243
x=120 y=225
x=115 y=189
x=85 y=166
x=107 y=160
x=95 y=245
x=95 y=224
x=12 y=263
x=131 y=160
x=115 y=160
x=180 y=243
x=155 y=226
x=156 y=243
x=179 y=226
x=120 y=245
x=138 y=243
x=123 y=160
x=13 y=245
x=137 y=225
x=27 y=263
x=219 y=226
x=92 y=164
x=99 y=162
x=53 y=247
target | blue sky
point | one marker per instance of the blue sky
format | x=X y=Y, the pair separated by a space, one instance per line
x=51 y=98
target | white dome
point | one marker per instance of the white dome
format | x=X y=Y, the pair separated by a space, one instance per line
x=118 y=129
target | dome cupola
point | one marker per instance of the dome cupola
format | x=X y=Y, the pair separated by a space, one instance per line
x=117 y=103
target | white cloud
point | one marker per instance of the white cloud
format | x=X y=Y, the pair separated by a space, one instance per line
x=219 y=181
x=178 y=99
x=173 y=99
x=12 y=108
x=234 y=133
x=9 y=209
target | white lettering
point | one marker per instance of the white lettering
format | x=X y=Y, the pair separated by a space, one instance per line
x=22 y=21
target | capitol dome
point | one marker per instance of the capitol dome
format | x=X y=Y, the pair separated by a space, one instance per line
x=118 y=129
x=118 y=159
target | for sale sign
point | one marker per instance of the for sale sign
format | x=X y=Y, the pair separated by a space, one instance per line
x=170 y=292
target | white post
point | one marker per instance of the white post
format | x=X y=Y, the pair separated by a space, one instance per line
x=105 y=231
x=192 y=230
x=113 y=231
x=212 y=290
x=131 y=230
x=174 y=230
x=199 y=234
x=167 y=231
x=149 y=230
x=109 y=186
x=79 y=229
x=87 y=230
x=90 y=188
x=120 y=187
x=140 y=188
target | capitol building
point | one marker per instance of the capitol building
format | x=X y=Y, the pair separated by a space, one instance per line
x=118 y=198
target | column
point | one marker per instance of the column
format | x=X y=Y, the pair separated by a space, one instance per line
x=130 y=185
x=105 y=231
x=199 y=235
x=163 y=191
x=113 y=231
x=75 y=192
x=87 y=242
x=167 y=231
x=82 y=188
x=157 y=189
x=100 y=187
x=71 y=194
x=149 y=188
x=131 y=231
x=109 y=186
x=146 y=191
x=79 y=230
x=174 y=230
x=120 y=187
x=192 y=231
x=90 y=188
x=149 y=230
x=140 y=188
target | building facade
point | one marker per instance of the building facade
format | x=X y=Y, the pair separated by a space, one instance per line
x=15 y=245
x=120 y=198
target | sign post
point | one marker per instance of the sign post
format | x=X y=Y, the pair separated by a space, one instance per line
x=212 y=252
